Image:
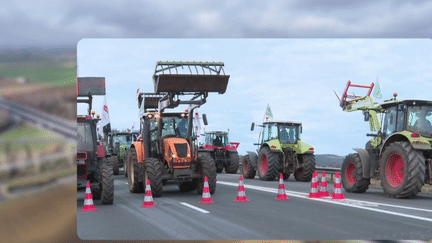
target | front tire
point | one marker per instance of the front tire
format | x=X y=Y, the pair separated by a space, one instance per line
x=305 y=172
x=208 y=169
x=248 y=171
x=268 y=164
x=154 y=171
x=106 y=182
x=402 y=170
x=233 y=163
x=134 y=169
x=115 y=164
x=352 y=174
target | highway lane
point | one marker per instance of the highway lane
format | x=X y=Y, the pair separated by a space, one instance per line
x=367 y=216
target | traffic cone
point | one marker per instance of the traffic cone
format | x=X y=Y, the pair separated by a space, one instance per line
x=148 y=198
x=337 y=193
x=314 y=186
x=206 y=198
x=323 y=187
x=241 y=196
x=281 y=191
x=88 y=201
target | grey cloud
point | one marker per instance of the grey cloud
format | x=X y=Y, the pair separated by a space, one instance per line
x=66 y=22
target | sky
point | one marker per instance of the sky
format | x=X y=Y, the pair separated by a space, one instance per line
x=295 y=77
x=62 y=22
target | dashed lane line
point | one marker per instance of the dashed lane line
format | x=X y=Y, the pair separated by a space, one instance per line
x=193 y=207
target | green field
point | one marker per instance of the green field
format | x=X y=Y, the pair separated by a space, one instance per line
x=26 y=137
x=54 y=66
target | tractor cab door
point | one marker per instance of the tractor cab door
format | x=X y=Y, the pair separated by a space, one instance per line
x=270 y=132
x=394 y=121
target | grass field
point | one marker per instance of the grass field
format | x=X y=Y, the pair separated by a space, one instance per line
x=26 y=137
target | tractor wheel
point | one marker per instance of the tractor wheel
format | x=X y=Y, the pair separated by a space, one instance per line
x=268 y=164
x=115 y=164
x=286 y=176
x=402 y=170
x=305 y=172
x=187 y=186
x=219 y=166
x=352 y=174
x=154 y=171
x=125 y=165
x=248 y=170
x=208 y=169
x=233 y=163
x=106 y=182
x=134 y=169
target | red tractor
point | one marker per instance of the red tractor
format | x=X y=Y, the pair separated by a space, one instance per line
x=223 y=152
x=91 y=162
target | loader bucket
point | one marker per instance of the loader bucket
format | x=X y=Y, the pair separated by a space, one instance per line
x=175 y=83
x=151 y=100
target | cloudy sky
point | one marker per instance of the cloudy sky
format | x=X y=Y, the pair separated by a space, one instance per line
x=296 y=77
x=61 y=22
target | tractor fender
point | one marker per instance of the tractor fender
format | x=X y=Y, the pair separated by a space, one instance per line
x=139 y=147
x=253 y=158
x=365 y=160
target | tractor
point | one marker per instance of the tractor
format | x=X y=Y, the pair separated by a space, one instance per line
x=168 y=148
x=222 y=151
x=117 y=145
x=280 y=150
x=91 y=162
x=400 y=152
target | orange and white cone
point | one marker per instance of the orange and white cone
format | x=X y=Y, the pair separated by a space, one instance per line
x=148 y=198
x=281 y=191
x=206 y=198
x=241 y=196
x=323 y=188
x=314 y=186
x=88 y=201
x=337 y=193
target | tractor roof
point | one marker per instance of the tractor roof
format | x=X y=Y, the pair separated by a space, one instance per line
x=405 y=102
x=283 y=122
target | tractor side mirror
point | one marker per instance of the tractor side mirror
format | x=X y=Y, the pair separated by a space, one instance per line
x=366 y=116
x=204 y=117
x=252 y=126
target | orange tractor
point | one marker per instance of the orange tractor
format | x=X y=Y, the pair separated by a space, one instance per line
x=168 y=148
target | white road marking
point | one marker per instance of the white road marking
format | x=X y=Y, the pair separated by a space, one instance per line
x=193 y=207
x=345 y=202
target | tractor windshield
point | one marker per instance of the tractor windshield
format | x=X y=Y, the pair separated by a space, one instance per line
x=123 y=139
x=85 y=137
x=175 y=127
x=420 y=120
x=288 y=133
x=217 y=140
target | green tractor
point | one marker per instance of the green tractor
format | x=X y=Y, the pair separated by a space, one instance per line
x=400 y=153
x=280 y=150
x=117 y=145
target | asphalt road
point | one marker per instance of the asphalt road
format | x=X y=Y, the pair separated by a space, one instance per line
x=180 y=216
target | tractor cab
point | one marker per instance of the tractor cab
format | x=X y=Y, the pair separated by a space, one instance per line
x=216 y=139
x=286 y=132
x=411 y=115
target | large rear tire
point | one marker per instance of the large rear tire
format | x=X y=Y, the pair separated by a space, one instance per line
x=352 y=174
x=233 y=163
x=208 y=168
x=134 y=169
x=115 y=164
x=268 y=164
x=106 y=182
x=248 y=171
x=154 y=171
x=402 y=170
x=305 y=172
